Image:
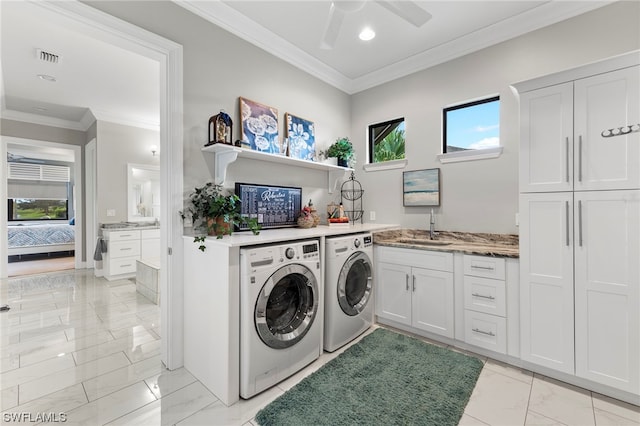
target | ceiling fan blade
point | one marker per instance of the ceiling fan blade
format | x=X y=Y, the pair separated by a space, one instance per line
x=331 y=31
x=407 y=10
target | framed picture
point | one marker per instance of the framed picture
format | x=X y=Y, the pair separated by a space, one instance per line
x=272 y=206
x=259 y=126
x=301 y=136
x=421 y=188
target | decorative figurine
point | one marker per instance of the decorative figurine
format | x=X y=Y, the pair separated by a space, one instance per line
x=220 y=129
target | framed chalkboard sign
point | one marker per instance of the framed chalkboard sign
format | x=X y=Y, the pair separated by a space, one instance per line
x=272 y=206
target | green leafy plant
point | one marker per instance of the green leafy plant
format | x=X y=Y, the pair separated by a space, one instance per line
x=212 y=208
x=390 y=148
x=341 y=148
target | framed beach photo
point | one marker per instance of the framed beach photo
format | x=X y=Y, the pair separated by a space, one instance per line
x=421 y=188
x=259 y=126
x=301 y=135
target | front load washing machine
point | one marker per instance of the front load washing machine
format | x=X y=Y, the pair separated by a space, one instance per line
x=348 y=294
x=280 y=312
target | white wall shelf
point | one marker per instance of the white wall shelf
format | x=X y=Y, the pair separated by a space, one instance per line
x=219 y=156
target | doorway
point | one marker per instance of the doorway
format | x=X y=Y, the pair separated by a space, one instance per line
x=169 y=57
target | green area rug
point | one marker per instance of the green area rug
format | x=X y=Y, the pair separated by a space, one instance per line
x=385 y=379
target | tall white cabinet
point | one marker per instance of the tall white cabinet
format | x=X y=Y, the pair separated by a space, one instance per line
x=580 y=222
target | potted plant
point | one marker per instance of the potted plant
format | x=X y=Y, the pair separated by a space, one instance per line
x=342 y=149
x=212 y=208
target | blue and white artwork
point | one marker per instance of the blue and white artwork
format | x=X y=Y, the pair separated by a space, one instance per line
x=301 y=135
x=259 y=126
x=421 y=188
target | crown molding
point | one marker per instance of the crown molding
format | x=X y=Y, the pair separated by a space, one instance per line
x=83 y=125
x=42 y=120
x=236 y=23
x=229 y=19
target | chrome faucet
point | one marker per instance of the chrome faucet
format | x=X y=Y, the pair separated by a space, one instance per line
x=432 y=223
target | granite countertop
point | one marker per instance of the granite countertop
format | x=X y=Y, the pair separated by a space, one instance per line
x=121 y=226
x=498 y=245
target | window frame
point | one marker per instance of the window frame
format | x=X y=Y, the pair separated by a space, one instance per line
x=462 y=106
x=371 y=142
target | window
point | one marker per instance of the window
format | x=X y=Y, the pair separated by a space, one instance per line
x=37 y=209
x=386 y=141
x=472 y=126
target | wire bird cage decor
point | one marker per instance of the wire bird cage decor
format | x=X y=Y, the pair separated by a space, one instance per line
x=351 y=197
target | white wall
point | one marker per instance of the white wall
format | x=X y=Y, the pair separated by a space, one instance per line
x=478 y=196
x=220 y=67
x=118 y=145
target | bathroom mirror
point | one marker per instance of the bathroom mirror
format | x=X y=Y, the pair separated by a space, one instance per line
x=143 y=192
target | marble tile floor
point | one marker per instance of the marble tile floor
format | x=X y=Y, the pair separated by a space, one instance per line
x=85 y=350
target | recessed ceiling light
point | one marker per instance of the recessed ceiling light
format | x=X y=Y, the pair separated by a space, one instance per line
x=47 y=77
x=367 y=34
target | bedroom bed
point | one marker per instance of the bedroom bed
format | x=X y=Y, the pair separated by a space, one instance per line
x=40 y=238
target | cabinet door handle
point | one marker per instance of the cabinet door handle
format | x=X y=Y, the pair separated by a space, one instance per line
x=580 y=222
x=482 y=296
x=414 y=283
x=125 y=248
x=580 y=158
x=567 y=154
x=566 y=205
x=486 y=268
x=486 y=333
x=407 y=281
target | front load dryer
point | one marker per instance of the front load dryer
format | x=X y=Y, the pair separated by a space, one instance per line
x=280 y=312
x=348 y=293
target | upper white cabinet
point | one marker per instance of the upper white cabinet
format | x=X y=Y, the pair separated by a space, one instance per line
x=564 y=128
x=546 y=139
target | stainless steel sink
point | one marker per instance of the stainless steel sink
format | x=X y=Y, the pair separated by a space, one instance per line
x=424 y=242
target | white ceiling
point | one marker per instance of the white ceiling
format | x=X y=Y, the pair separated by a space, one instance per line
x=293 y=30
x=95 y=78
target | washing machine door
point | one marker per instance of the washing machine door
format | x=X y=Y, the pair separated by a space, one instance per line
x=287 y=306
x=354 y=284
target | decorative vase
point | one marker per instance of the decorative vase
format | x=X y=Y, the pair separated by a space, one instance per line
x=221 y=227
x=316 y=217
x=305 y=221
x=343 y=163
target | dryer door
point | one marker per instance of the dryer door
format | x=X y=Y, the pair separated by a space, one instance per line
x=354 y=284
x=287 y=306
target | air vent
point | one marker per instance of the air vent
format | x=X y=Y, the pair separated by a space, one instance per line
x=48 y=57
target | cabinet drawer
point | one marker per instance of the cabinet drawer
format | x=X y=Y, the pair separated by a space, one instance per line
x=485 y=331
x=435 y=260
x=122 y=266
x=123 y=249
x=150 y=233
x=483 y=266
x=123 y=235
x=485 y=295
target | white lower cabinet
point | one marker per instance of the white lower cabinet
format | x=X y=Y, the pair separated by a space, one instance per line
x=485 y=303
x=124 y=248
x=415 y=288
x=580 y=284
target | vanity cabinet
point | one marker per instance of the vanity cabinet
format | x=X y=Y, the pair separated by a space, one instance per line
x=580 y=223
x=415 y=288
x=125 y=247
